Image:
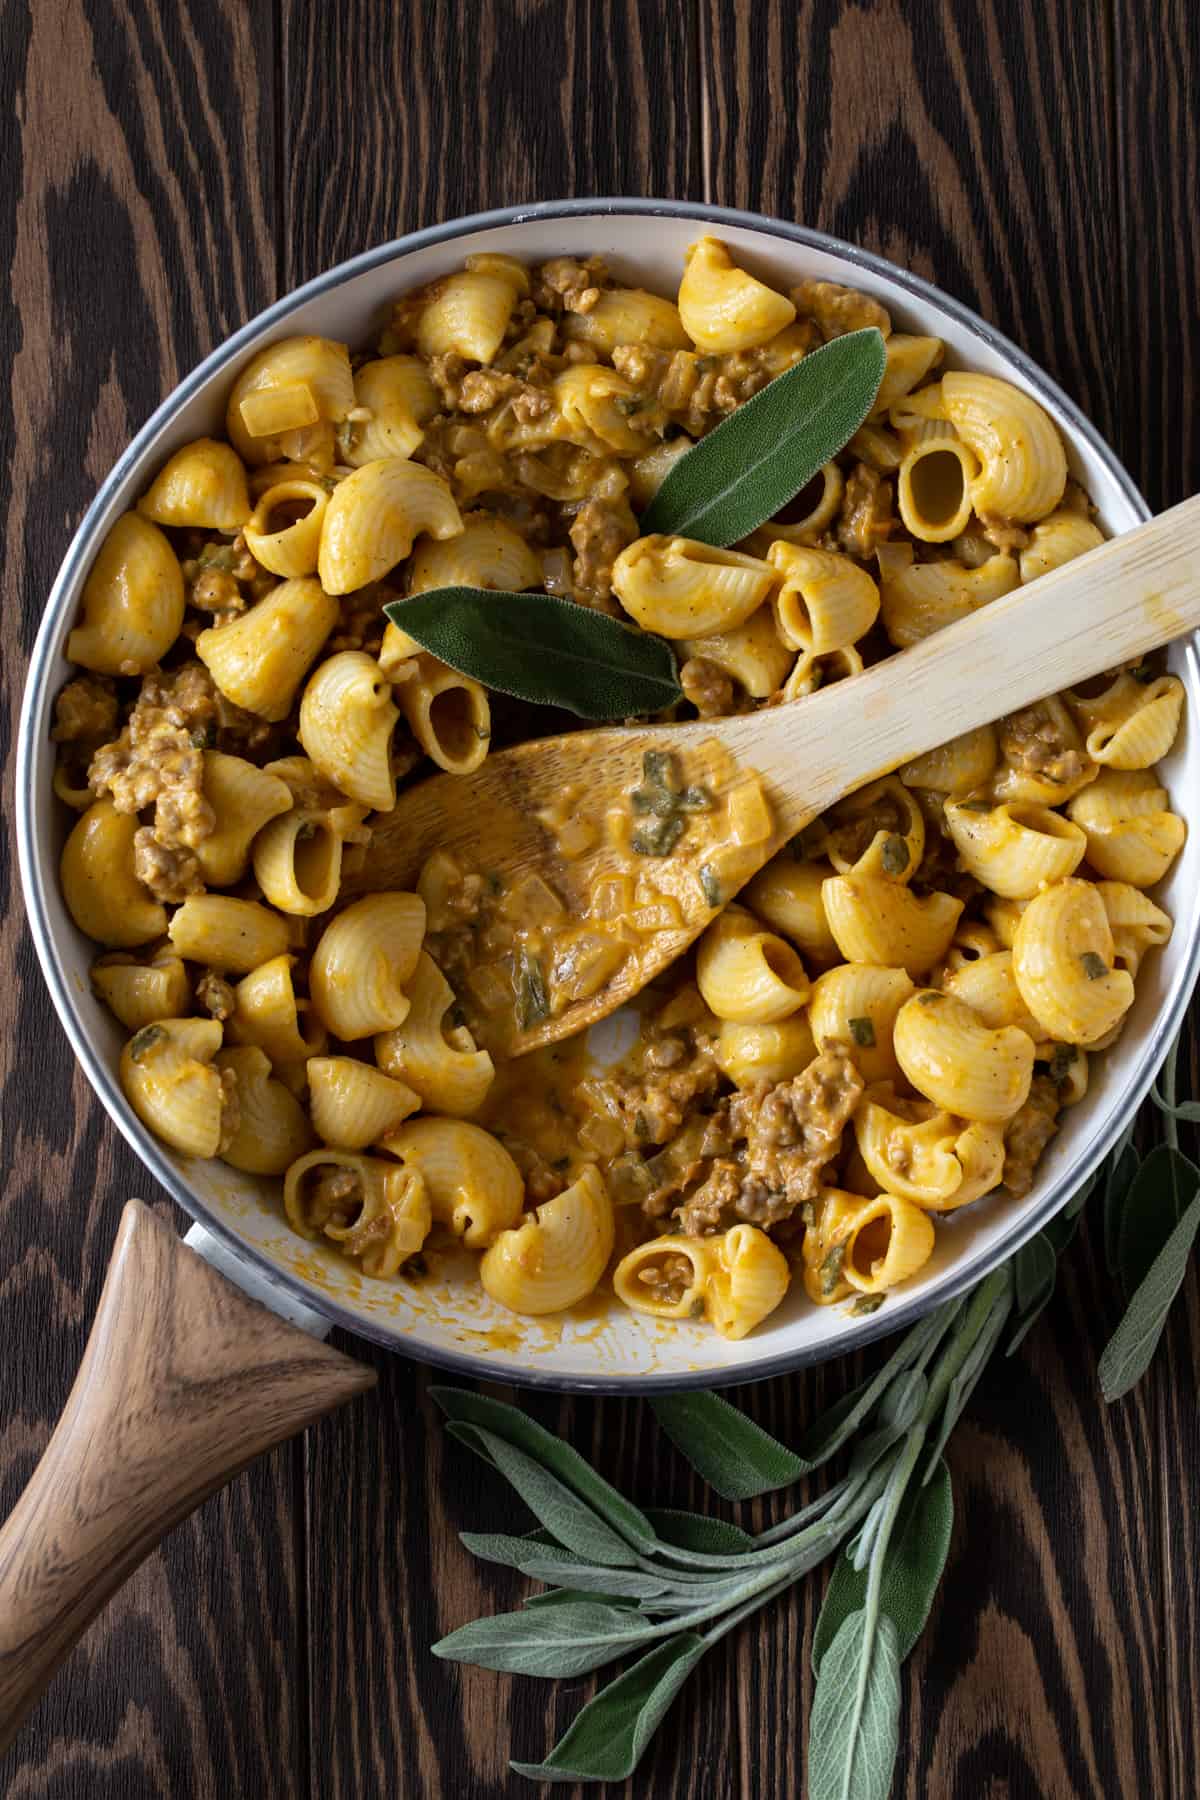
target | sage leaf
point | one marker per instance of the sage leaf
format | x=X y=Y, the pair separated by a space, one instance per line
x=852 y=1748
x=544 y=650
x=619 y=1584
x=606 y=1741
x=756 y=460
x=1188 y=1110
x=733 y=1454
x=517 y=1428
x=1118 y=1182
x=1000 y=1287
x=1156 y=1200
x=570 y=1596
x=837 y=1426
x=547 y=1641
x=562 y=1512
x=912 y=1570
x=695 y=1531
x=511 y=1552
x=1035 y=1270
x=1128 y=1352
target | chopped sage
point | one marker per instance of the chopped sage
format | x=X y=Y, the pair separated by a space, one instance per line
x=659 y=837
x=1094 y=966
x=641 y=1125
x=895 y=854
x=533 y=1003
x=866 y=1304
x=144 y=1041
x=709 y=885
x=218 y=556
x=1061 y=1063
x=863 y=1033
x=831 y=1269
x=930 y=997
x=664 y=802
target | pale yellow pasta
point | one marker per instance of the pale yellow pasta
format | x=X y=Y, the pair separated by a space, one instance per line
x=352 y=1104
x=397 y=396
x=750 y=1278
x=259 y=659
x=628 y=316
x=448 y=714
x=1063 y=959
x=139 y=993
x=468 y=314
x=283 y=533
x=1057 y=540
x=964 y=763
x=223 y=933
x=878 y=921
x=285 y=402
x=724 y=308
x=362 y=963
x=879 y=830
x=298 y=858
x=920 y=415
x=1069 y=769
x=988 y=986
x=786 y=895
x=243 y=798
x=102 y=892
x=925 y=1154
x=375 y=515
x=1003 y=917
x=947 y=1052
x=810 y=528
x=933 y=489
x=557 y=1254
x=347 y=720
x=855 y=1005
x=167 y=1077
x=909 y=360
x=132 y=601
x=1023 y=464
x=439 y=1063
x=267 y=1012
x=486 y=553
x=474 y=1185
x=882 y=1242
x=647 y=473
x=749 y=1054
x=683 y=589
x=1132 y=723
x=878 y=447
x=383 y=1218
x=917 y=599
x=272 y=1127
x=810 y=672
x=747 y=974
x=202 y=487
x=1136 y=923
x=667 y=1277
x=73 y=792
x=1132 y=834
x=753 y=653
x=1014 y=850
x=824 y=601
x=972 y=940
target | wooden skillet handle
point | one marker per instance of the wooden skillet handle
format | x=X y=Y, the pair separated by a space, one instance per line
x=184 y=1381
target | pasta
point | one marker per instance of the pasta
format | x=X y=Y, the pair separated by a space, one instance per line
x=881 y=1028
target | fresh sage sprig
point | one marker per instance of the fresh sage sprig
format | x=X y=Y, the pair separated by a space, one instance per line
x=744 y=471
x=544 y=650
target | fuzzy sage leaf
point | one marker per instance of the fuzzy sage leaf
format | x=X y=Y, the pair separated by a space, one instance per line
x=760 y=457
x=548 y=1641
x=544 y=650
x=1154 y=1203
x=733 y=1454
x=1128 y=1352
x=606 y=1740
x=852 y=1741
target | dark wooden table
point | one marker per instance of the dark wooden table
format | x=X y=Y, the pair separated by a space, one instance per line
x=166 y=171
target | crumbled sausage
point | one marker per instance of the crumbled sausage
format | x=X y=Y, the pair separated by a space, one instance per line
x=866 y=519
x=566 y=285
x=698 y=391
x=215 y=995
x=1034 y=741
x=600 y=530
x=707 y=686
x=85 y=712
x=838 y=309
x=168 y=870
x=1003 y=534
x=1027 y=1134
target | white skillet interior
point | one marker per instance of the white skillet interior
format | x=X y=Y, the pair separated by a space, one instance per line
x=448 y=1318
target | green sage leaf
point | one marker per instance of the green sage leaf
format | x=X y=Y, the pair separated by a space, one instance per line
x=465 y=1406
x=1156 y=1200
x=1118 y=1183
x=852 y=1748
x=1188 y=1110
x=511 y=1552
x=1035 y=1270
x=696 y=1531
x=759 y=458
x=1128 y=1352
x=912 y=1570
x=733 y=1454
x=544 y=650
x=547 y=1641
x=570 y=1519
x=837 y=1426
x=606 y=1741
x=570 y=1596
x=617 y=1584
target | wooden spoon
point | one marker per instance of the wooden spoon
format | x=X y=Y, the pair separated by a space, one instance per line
x=512 y=820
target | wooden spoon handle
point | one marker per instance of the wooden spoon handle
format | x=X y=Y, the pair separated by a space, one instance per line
x=1127 y=596
x=184 y=1381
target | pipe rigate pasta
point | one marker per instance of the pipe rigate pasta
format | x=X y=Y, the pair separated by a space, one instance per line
x=1063 y=959
x=201 y=487
x=363 y=962
x=1023 y=466
x=474 y=1185
x=725 y=308
x=259 y=659
x=374 y=517
x=347 y=719
x=132 y=601
x=272 y=1127
x=557 y=1254
x=1132 y=834
x=683 y=589
x=963 y=1065
x=168 y=1077
x=99 y=884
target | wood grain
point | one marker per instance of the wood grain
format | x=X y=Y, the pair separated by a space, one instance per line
x=184 y=1382
x=1035 y=157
